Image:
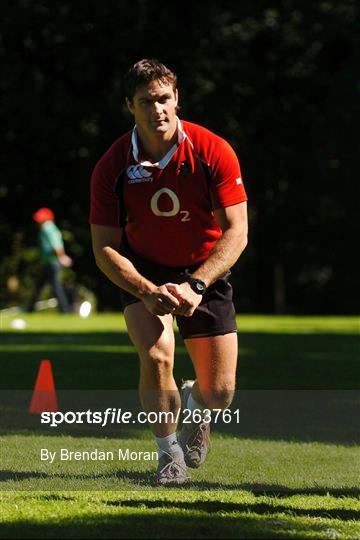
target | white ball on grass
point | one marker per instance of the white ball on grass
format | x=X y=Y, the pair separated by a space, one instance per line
x=18 y=324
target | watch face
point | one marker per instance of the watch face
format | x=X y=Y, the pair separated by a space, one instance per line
x=200 y=287
x=197 y=285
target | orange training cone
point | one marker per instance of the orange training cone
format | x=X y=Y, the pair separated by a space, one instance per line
x=44 y=396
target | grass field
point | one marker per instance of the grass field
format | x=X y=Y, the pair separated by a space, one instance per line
x=289 y=469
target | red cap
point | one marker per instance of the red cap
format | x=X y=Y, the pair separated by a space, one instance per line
x=43 y=214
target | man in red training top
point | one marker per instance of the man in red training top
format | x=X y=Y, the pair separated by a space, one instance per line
x=168 y=220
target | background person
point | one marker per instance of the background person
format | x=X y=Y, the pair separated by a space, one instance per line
x=168 y=219
x=53 y=257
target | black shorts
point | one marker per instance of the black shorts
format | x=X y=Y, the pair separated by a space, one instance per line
x=214 y=316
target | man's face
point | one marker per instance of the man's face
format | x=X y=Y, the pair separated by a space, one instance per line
x=154 y=107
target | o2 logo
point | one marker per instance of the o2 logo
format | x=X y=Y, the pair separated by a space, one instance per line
x=175 y=205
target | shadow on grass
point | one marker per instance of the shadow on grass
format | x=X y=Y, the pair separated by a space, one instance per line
x=165 y=519
x=138 y=477
x=144 y=479
x=295 y=416
x=258 y=508
x=267 y=361
x=141 y=525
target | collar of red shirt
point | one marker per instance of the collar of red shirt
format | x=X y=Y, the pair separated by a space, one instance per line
x=165 y=160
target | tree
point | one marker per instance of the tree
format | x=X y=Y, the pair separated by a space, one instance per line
x=278 y=81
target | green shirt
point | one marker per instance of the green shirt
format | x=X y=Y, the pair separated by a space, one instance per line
x=50 y=239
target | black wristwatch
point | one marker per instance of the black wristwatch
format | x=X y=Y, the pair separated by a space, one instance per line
x=197 y=285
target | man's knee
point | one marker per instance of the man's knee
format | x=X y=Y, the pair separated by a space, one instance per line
x=218 y=397
x=158 y=362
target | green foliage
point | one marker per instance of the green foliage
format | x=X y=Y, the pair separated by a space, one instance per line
x=278 y=81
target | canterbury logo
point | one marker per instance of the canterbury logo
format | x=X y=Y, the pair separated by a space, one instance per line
x=137 y=173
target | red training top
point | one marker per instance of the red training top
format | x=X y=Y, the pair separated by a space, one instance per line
x=167 y=207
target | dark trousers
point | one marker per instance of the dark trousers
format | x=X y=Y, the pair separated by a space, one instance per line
x=51 y=274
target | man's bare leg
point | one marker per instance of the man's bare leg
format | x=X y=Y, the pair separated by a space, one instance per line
x=153 y=338
x=214 y=360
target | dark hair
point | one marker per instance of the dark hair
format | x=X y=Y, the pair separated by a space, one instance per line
x=145 y=71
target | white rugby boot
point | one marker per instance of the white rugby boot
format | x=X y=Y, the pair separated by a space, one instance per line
x=194 y=438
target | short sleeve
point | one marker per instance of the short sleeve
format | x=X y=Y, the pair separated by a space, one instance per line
x=52 y=235
x=227 y=187
x=104 y=205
